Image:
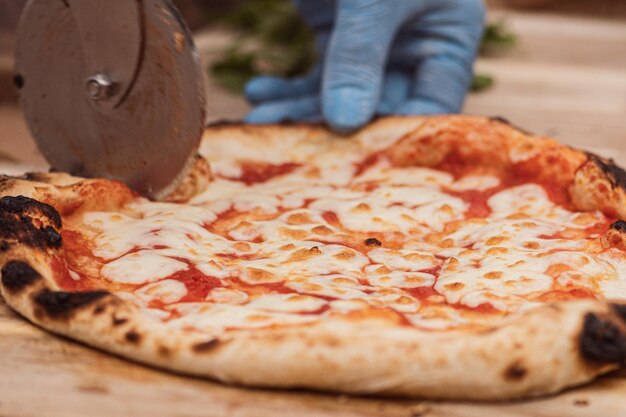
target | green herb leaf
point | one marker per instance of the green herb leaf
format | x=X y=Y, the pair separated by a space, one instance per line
x=234 y=69
x=281 y=42
x=497 y=38
x=481 y=82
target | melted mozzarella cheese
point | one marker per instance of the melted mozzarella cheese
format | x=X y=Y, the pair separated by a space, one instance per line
x=614 y=288
x=288 y=303
x=333 y=285
x=382 y=276
x=403 y=260
x=475 y=182
x=392 y=208
x=280 y=262
x=407 y=176
x=166 y=291
x=141 y=267
x=502 y=275
x=529 y=200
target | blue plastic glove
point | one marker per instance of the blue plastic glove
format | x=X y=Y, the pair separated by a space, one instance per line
x=377 y=57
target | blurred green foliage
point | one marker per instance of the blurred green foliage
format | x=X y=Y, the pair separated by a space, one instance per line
x=273 y=39
x=481 y=82
x=497 y=38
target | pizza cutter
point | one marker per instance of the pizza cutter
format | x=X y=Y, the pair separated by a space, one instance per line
x=111 y=88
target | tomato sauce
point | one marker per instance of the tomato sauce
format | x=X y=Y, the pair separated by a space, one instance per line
x=323 y=309
x=600 y=227
x=331 y=218
x=254 y=173
x=484 y=308
x=75 y=245
x=477 y=201
x=367 y=163
x=76 y=253
x=62 y=275
x=421 y=293
x=518 y=174
x=198 y=284
x=558 y=195
x=259 y=289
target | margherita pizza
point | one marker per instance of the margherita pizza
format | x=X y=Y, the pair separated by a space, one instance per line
x=444 y=257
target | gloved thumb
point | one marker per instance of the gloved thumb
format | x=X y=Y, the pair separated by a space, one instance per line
x=355 y=61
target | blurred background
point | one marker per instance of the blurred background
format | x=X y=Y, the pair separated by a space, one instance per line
x=554 y=67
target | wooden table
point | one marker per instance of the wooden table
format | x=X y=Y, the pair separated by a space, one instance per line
x=567 y=78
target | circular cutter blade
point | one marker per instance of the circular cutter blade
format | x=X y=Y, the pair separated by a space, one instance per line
x=147 y=137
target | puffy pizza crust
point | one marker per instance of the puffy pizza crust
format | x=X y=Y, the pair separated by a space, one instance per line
x=541 y=351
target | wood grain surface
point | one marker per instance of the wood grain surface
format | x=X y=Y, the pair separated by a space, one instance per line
x=566 y=79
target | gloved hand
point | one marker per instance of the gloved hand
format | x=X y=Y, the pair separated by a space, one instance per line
x=377 y=57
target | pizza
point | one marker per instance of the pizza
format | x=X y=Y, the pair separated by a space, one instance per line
x=444 y=257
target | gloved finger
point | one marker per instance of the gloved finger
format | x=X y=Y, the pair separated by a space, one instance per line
x=355 y=60
x=420 y=106
x=318 y=14
x=316 y=118
x=284 y=110
x=441 y=46
x=395 y=91
x=444 y=79
x=268 y=88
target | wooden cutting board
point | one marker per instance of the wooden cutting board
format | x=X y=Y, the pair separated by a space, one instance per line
x=567 y=78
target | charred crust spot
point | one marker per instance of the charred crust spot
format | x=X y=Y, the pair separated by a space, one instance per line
x=61 y=304
x=507 y=122
x=515 y=372
x=581 y=402
x=29 y=222
x=133 y=337
x=118 y=321
x=164 y=351
x=17 y=275
x=602 y=340
x=615 y=174
x=100 y=308
x=204 y=347
x=23 y=205
x=52 y=237
x=6 y=182
x=35 y=176
x=372 y=241
x=618 y=226
x=620 y=310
